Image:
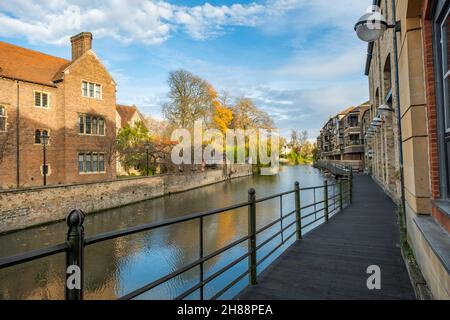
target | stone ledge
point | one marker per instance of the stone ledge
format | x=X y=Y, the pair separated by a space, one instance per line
x=437 y=238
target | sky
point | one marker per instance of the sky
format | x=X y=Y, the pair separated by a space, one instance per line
x=299 y=60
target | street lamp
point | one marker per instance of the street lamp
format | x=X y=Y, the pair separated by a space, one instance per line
x=385 y=110
x=147 y=149
x=370 y=27
x=44 y=140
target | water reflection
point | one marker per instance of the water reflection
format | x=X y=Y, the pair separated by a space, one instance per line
x=118 y=266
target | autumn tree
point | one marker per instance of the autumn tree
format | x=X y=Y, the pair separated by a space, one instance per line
x=189 y=99
x=221 y=115
x=247 y=116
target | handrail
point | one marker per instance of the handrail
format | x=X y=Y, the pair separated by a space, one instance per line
x=76 y=242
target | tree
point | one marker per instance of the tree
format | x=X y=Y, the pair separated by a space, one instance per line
x=221 y=115
x=247 y=116
x=190 y=99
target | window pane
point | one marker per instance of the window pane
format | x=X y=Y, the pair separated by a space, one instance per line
x=81 y=163
x=101 y=126
x=88 y=124
x=445 y=38
x=45 y=100
x=2 y=111
x=37 y=99
x=101 y=164
x=2 y=124
x=81 y=122
x=94 y=125
x=95 y=162
x=91 y=90
x=37 y=137
x=85 y=88
x=97 y=91
x=88 y=158
x=445 y=44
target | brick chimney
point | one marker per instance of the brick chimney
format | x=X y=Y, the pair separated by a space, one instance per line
x=81 y=43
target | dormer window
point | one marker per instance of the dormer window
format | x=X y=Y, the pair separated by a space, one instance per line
x=41 y=99
x=91 y=90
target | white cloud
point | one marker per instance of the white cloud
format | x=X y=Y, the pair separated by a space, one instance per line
x=146 y=21
x=153 y=22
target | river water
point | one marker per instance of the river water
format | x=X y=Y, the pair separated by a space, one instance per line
x=116 y=267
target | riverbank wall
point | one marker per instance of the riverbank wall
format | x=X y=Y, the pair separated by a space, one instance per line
x=24 y=208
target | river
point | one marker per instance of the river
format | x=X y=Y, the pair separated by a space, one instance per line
x=118 y=266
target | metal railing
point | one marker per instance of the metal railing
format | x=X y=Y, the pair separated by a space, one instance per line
x=76 y=242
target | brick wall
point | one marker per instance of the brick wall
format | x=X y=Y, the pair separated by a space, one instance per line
x=427 y=38
x=25 y=208
x=61 y=121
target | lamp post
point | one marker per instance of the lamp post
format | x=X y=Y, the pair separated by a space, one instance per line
x=147 y=149
x=44 y=141
x=370 y=27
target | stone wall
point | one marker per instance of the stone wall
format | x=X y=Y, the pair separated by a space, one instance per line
x=34 y=206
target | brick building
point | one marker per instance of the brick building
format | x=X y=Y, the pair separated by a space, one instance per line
x=74 y=102
x=424 y=82
x=341 y=139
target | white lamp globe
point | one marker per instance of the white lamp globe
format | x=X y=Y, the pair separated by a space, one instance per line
x=385 y=110
x=371 y=26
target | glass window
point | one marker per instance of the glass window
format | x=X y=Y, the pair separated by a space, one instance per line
x=91 y=90
x=81 y=122
x=95 y=162
x=81 y=163
x=98 y=91
x=94 y=125
x=88 y=124
x=88 y=164
x=85 y=88
x=37 y=99
x=41 y=99
x=445 y=37
x=101 y=127
x=37 y=137
x=44 y=100
x=2 y=119
x=101 y=163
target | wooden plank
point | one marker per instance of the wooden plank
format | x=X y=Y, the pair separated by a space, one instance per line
x=331 y=261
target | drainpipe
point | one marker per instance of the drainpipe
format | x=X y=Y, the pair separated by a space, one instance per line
x=399 y=117
x=17 y=137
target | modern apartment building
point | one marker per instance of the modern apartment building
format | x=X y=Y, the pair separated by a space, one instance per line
x=73 y=102
x=341 y=139
x=423 y=62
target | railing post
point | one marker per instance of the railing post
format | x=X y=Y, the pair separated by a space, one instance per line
x=341 y=199
x=74 y=256
x=350 y=187
x=298 y=213
x=325 y=196
x=252 y=235
x=202 y=295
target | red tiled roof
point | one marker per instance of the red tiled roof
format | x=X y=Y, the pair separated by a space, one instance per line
x=28 y=65
x=126 y=113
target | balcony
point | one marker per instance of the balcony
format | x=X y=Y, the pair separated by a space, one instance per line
x=354 y=146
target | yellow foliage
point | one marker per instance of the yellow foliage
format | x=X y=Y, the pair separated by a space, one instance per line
x=222 y=116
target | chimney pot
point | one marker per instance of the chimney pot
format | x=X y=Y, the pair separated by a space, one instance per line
x=81 y=43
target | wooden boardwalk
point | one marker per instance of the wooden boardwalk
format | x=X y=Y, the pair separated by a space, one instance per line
x=331 y=261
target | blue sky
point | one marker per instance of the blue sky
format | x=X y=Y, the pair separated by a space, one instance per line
x=298 y=59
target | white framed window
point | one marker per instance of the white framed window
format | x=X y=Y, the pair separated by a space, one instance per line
x=3 y=119
x=91 y=90
x=41 y=99
x=91 y=162
x=89 y=124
